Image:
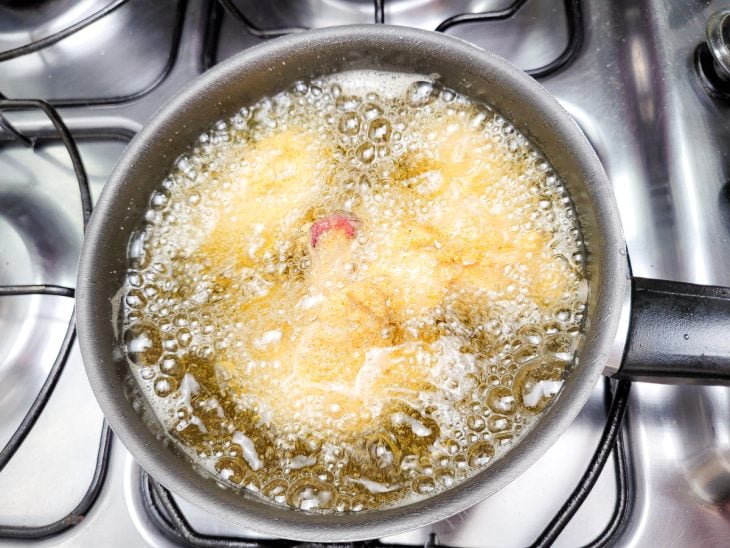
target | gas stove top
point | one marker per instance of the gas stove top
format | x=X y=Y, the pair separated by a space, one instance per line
x=624 y=70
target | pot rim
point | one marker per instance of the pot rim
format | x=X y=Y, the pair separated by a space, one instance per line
x=178 y=474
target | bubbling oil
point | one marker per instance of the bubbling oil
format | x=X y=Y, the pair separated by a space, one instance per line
x=355 y=293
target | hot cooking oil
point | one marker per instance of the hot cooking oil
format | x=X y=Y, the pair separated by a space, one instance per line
x=355 y=293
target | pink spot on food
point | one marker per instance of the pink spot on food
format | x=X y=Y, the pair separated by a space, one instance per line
x=338 y=221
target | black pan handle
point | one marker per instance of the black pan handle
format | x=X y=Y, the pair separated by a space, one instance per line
x=679 y=333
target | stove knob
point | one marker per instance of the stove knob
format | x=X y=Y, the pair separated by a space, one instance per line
x=718 y=41
x=712 y=58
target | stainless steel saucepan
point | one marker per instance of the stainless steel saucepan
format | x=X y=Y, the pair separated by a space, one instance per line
x=643 y=329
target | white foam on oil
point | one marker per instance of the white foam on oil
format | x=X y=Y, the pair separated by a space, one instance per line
x=249 y=450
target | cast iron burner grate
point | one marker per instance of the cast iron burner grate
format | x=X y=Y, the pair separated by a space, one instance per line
x=159 y=503
x=44 y=394
x=47 y=41
x=573 y=11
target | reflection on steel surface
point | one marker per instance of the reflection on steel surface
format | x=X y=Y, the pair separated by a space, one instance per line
x=633 y=89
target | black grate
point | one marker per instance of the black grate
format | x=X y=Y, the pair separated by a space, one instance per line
x=574 y=15
x=59 y=364
x=252 y=29
x=606 y=445
x=52 y=39
x=573 y=11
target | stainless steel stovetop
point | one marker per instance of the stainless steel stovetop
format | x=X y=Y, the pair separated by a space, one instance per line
x=623 y=69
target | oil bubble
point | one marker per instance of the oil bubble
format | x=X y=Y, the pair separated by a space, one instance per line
x=501 y=400
x=535 y=385
x=421 y=93
x=349 y=123
x=366 y=153
x=379 y=130
x=164 y=385
x=310 y=494
x=171 y=365
x=230 y=469
x=424 y=485
x=143 y=343
x=480 y=454
x=135 y=299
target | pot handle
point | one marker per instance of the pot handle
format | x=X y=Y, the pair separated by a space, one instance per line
x=679 y=333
